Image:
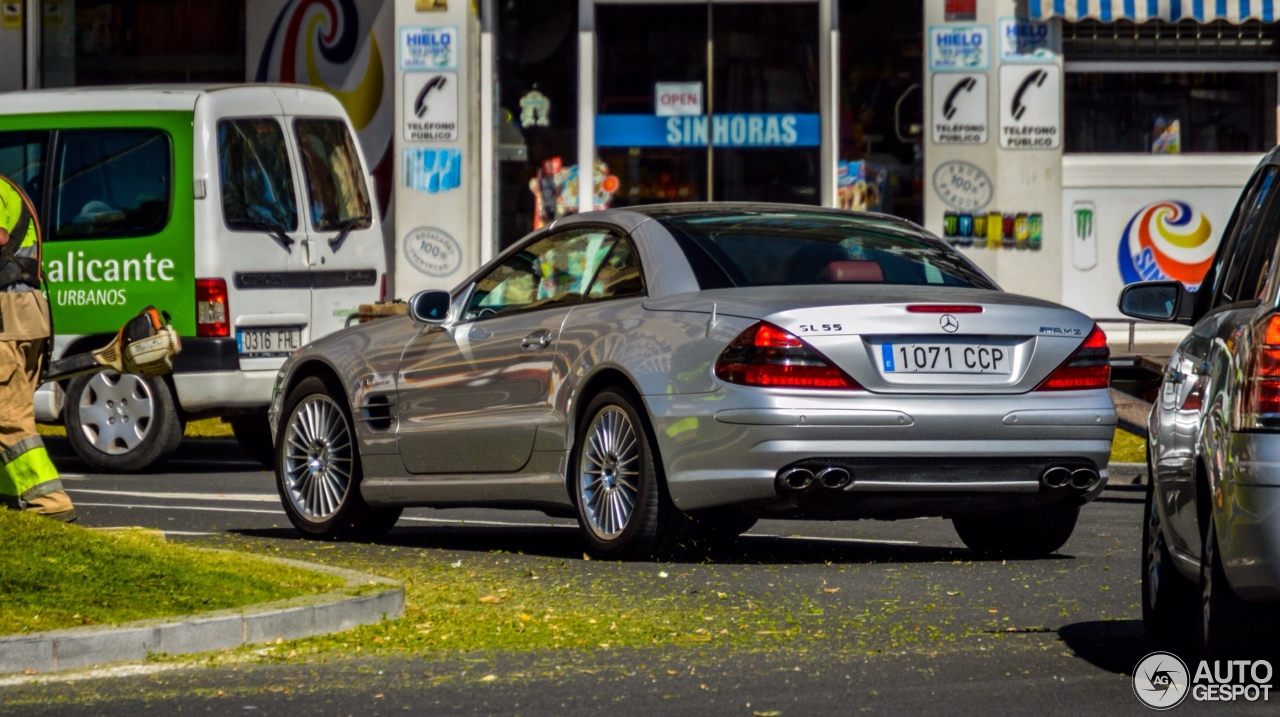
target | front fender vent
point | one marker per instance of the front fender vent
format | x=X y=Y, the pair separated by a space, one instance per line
x=376 y=413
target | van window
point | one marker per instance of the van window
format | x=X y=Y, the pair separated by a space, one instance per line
x=22 y=157
x=111 y=183
x=257 y=181
x=335 y=181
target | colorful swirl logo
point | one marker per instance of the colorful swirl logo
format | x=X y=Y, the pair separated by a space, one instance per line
x=317 y=43
x=1167 y=240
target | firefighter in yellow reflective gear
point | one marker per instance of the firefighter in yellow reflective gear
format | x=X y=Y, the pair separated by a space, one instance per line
x=28 y=480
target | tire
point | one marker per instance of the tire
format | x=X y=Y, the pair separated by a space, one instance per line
x=253 y=434
x=119 y=423
x=1168 y=599
x=1227 y=623
x=1022 y=534
x=720 y=526
x=316 y=426
x=624 y=510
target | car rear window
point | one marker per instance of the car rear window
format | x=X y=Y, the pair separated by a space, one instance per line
x=111 y=183
x=801 y=248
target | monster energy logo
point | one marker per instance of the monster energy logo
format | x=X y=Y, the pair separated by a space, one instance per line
x=1084 y=223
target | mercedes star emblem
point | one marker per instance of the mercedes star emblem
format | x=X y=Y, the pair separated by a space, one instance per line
x=949 y=323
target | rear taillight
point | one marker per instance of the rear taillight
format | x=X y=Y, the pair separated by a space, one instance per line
x=765 y=355
x=1261 y=407
x=943 y=309
x=211 y=308
x=1089 y=367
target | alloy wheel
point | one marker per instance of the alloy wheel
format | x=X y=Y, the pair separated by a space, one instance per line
x=115 y=412
x=317 y=461
x=1155 y=549
x=609 y=473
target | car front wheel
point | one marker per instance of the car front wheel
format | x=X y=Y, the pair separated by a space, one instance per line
x=1022 y=534
x=623 y=508
x=318 y=471
x=121 y=423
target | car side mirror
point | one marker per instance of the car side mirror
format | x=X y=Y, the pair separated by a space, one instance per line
x=1157 y=301
x=430 y=307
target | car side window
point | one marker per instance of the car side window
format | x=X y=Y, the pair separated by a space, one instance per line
x=257 y=179
x=1241 y=264
x=111 y=183
x=619 y=274
x=553 y=270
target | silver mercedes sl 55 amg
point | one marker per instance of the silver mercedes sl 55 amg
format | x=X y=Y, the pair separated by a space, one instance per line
x=671 y=374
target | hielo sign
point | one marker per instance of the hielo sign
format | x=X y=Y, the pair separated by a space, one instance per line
x=957 y=48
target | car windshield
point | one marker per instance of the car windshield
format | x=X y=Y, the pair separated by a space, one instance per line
x=744 y=248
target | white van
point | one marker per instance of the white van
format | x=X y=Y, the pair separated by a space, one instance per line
x=246 y=212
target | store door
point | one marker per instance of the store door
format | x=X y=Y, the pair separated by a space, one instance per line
x=709 y=101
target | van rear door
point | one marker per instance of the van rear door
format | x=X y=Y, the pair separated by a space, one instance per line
x=344 y=237
x=258 y=247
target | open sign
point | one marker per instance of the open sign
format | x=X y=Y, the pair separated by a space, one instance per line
x=677 y=98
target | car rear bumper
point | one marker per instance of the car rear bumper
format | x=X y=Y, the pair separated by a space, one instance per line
x=212 y=390
x=927 y=455
x=1249 y=532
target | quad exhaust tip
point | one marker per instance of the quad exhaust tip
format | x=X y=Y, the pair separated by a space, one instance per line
x=834 y=477
x=796 y=478
x=1083 y=478
x=1056 y=477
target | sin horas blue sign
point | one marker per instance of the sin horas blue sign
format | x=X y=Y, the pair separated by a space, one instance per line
x=721 y=130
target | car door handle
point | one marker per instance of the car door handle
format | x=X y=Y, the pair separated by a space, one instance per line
x=536 y=341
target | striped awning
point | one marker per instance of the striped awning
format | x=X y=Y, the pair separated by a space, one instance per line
x=1143 y=10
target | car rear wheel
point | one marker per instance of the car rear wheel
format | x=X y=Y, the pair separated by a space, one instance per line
x=121 y=423
x=1228 y=623
x=1022 y=534
x=318 y=471
x=623 y=507
x=1168 y=599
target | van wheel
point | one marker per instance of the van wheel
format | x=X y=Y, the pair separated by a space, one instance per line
x=253 y=434
x=121 y=423
x=318 y=472
x=1021 y=534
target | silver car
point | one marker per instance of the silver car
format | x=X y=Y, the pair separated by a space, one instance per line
x=1212 y=527
x=672 y=374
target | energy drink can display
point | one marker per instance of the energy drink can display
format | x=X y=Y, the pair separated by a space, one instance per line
x=966 y=229
x=1020 y=230
x=980 y=225
x=995 y=230
x=1007 y=224
x=1035 y=231
x=950 y=225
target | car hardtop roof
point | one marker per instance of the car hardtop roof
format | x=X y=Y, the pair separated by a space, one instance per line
x=636 y=215
x=125 y=98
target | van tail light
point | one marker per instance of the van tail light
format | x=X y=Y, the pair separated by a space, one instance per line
x=211 y=308
x=767 y=356
x=382 y=289
x=1261 y=407
x=1089 y=367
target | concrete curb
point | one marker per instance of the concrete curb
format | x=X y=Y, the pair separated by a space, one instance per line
x=365 y=599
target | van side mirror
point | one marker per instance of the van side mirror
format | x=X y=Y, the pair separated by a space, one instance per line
x=1157 y=301
x=430 y=307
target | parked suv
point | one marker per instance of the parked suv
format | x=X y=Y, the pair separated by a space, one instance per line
x=246 y=212
x=1212 y=519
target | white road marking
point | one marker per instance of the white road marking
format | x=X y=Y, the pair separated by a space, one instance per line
x=233 y=497
x=121 y=671
x=180 y=507
x=837 y=540
x=488 y=522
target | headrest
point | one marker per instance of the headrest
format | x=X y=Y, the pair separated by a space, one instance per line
x=852 y=272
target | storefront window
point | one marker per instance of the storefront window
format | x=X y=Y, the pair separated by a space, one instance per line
x=881 y=107
x=1170 y=112
x=110 y=42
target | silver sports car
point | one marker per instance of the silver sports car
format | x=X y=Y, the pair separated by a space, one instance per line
x=671 y=374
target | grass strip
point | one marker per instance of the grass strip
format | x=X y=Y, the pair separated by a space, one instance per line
x=206 y=428
x=54 y=576
x=1128 y=448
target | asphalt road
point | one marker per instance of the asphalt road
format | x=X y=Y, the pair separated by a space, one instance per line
x=1052 y=636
